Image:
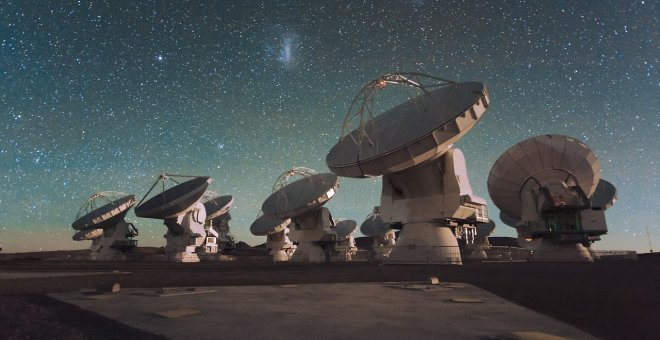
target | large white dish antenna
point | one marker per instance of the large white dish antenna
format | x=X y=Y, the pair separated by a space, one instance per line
x=302 y=196
x=418 y=130
x=537 y=161
x=175 y=200
x=115 y=207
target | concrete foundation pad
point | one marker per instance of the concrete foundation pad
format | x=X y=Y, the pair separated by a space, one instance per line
x=22 y=275
x=326 y=311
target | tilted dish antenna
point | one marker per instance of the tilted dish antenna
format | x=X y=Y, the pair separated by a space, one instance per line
x=183 y=214
x=174 y=200
x=604 y=196
x=425 y=185
x=217 y=222
x=302 y=201
x=103 y=209
x=547 y=184
x=301 y=196
x=216 y=205
x=87 y=234
x=344 y=228
x=268 y=224
x=344 y=248
x=383 y=235
x=101 y=220
x=418 y=130
x=374 y=225
x=535 y=162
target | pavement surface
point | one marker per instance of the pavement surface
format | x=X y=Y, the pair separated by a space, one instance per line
x=610 y=300
x=399 y=310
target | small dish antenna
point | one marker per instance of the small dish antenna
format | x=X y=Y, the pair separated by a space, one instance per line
x=425 y=183
x=312 y=227
x=218 y=236
x=184 y=215
x=383 y=235
x=549 y=188
x=280 y=247
x=101 y=220
x=344 y=248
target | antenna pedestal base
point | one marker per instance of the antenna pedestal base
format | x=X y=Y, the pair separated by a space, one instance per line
x=425 y=243
x=548 y=251
x=182 y=246
x=280 y=247
x=102 y=248
x=182 y=257
x=307 y=250
x=311 y=231
x=344 y=250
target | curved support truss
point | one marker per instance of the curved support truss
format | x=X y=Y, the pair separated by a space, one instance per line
x=362 y=106
x=98 y=200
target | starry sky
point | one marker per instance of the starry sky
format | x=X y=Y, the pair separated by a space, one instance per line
x=107 y=95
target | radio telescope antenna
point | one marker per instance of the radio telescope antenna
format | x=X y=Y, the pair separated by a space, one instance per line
x=362 y=106
x=181 y=211
x=425 y=183
x=218 y=236
x=549 y=188
x=384 y=236
x=280 y=248
x=101 y=220
x=301 y=201
x=344 y=248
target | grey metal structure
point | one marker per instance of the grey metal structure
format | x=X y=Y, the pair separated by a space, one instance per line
x=101 y=220
x=183 y=214
x=547 y=188
x=425 y=186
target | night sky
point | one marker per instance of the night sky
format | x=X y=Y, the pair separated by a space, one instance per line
x=107 y=95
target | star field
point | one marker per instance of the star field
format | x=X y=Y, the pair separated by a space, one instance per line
x=107 y=95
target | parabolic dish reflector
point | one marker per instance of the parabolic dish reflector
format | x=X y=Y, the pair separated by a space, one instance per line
x=218 y=206
x=538 y=161
x=344 y=228
x=373 y=226
x=268 y=224
x=87 y=234
x=301 y=196
x=105 y=216
x=413 y=132
x=174 y=200
x=485 y=229
x=604 y=196
x=508 y=220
